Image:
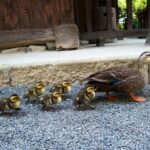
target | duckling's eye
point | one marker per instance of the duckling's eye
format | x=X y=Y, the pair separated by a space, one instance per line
x=65 y=83
x=39 y=85
x=89 y=89
x=56 y=94
x=13 y=99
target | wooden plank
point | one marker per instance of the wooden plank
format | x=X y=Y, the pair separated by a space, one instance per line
x=109 y=15
x=12 y=39
x=113 y=34
x=88 y=16
x=129 y=14
x=115 y=2
x=148 y=5
x=35 y=14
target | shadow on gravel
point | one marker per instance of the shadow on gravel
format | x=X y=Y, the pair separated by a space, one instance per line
x=17 y=114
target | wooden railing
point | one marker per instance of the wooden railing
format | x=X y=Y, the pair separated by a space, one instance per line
x=89 y=34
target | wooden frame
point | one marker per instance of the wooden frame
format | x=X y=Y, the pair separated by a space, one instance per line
x=110 y=33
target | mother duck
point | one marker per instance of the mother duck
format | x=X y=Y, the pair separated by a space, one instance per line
x=121 y=79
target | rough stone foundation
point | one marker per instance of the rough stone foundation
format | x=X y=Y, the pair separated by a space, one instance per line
x=58 y=72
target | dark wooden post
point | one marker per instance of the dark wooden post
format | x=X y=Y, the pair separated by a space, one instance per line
x=109 y=15
x=148 y=11
x=88 y=16
x=116 y=7
x=148 y=5
x=129 y=14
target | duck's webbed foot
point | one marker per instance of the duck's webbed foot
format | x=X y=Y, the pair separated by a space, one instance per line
x=136 y=98
x=109 y=97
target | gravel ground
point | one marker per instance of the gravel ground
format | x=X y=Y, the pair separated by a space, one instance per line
x=121 y=125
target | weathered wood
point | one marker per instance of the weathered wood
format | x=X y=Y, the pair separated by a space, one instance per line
x=148 y=37
x=80 y=14
x=12 y=39
x=129 y=14
x=88 y=15
x=148 y=6
x=113 y=34
x=35 y=14
x=67 y=37
x=109 y=15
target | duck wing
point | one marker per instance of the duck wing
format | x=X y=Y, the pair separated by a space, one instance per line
x=130 y=84
x=112 y=75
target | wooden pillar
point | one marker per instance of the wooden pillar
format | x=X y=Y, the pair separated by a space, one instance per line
x=88 y=16
x=148 y=11
x=148 y=6
x=116 y=7
x=109 y=15
x=129 y=14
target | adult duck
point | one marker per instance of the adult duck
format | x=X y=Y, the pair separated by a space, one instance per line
x=122 y=79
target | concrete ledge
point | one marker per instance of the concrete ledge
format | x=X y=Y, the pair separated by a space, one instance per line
x=57 y=66
x=58 y=72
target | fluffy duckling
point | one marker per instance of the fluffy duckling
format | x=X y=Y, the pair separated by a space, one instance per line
x=11 y=103
x=50 y=99
x=33 y=93
x=63 y=88
x=84 y=97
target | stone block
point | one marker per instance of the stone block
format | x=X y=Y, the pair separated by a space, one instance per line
x=35 y=48
x=67 y=37
x=51 y=46
x=15 y=50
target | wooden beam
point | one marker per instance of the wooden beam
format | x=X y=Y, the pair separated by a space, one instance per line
x=88 y=15
x=148 y=6
x=76 y=11
x=116 y=7
x=114 y=34
x=12 y=39
x=129 y=14
x=109 y=15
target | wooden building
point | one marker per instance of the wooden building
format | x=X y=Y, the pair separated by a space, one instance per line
x=25 y=22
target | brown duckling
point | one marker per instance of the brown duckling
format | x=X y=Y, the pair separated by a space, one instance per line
x=33 y=93
x=11 y=103
x=84 y=97
x=50 y=99
x=122 y=79
x=63 y=88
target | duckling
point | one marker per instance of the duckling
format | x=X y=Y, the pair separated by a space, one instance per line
x=33 y=93
x=84 y=97
x=50 y=99
x=11 y=103
x=63 y=88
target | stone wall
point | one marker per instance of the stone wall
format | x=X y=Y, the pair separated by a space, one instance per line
x=54 y=73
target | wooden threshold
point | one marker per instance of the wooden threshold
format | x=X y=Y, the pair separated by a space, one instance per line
x=113 y=34
x=19 y=38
